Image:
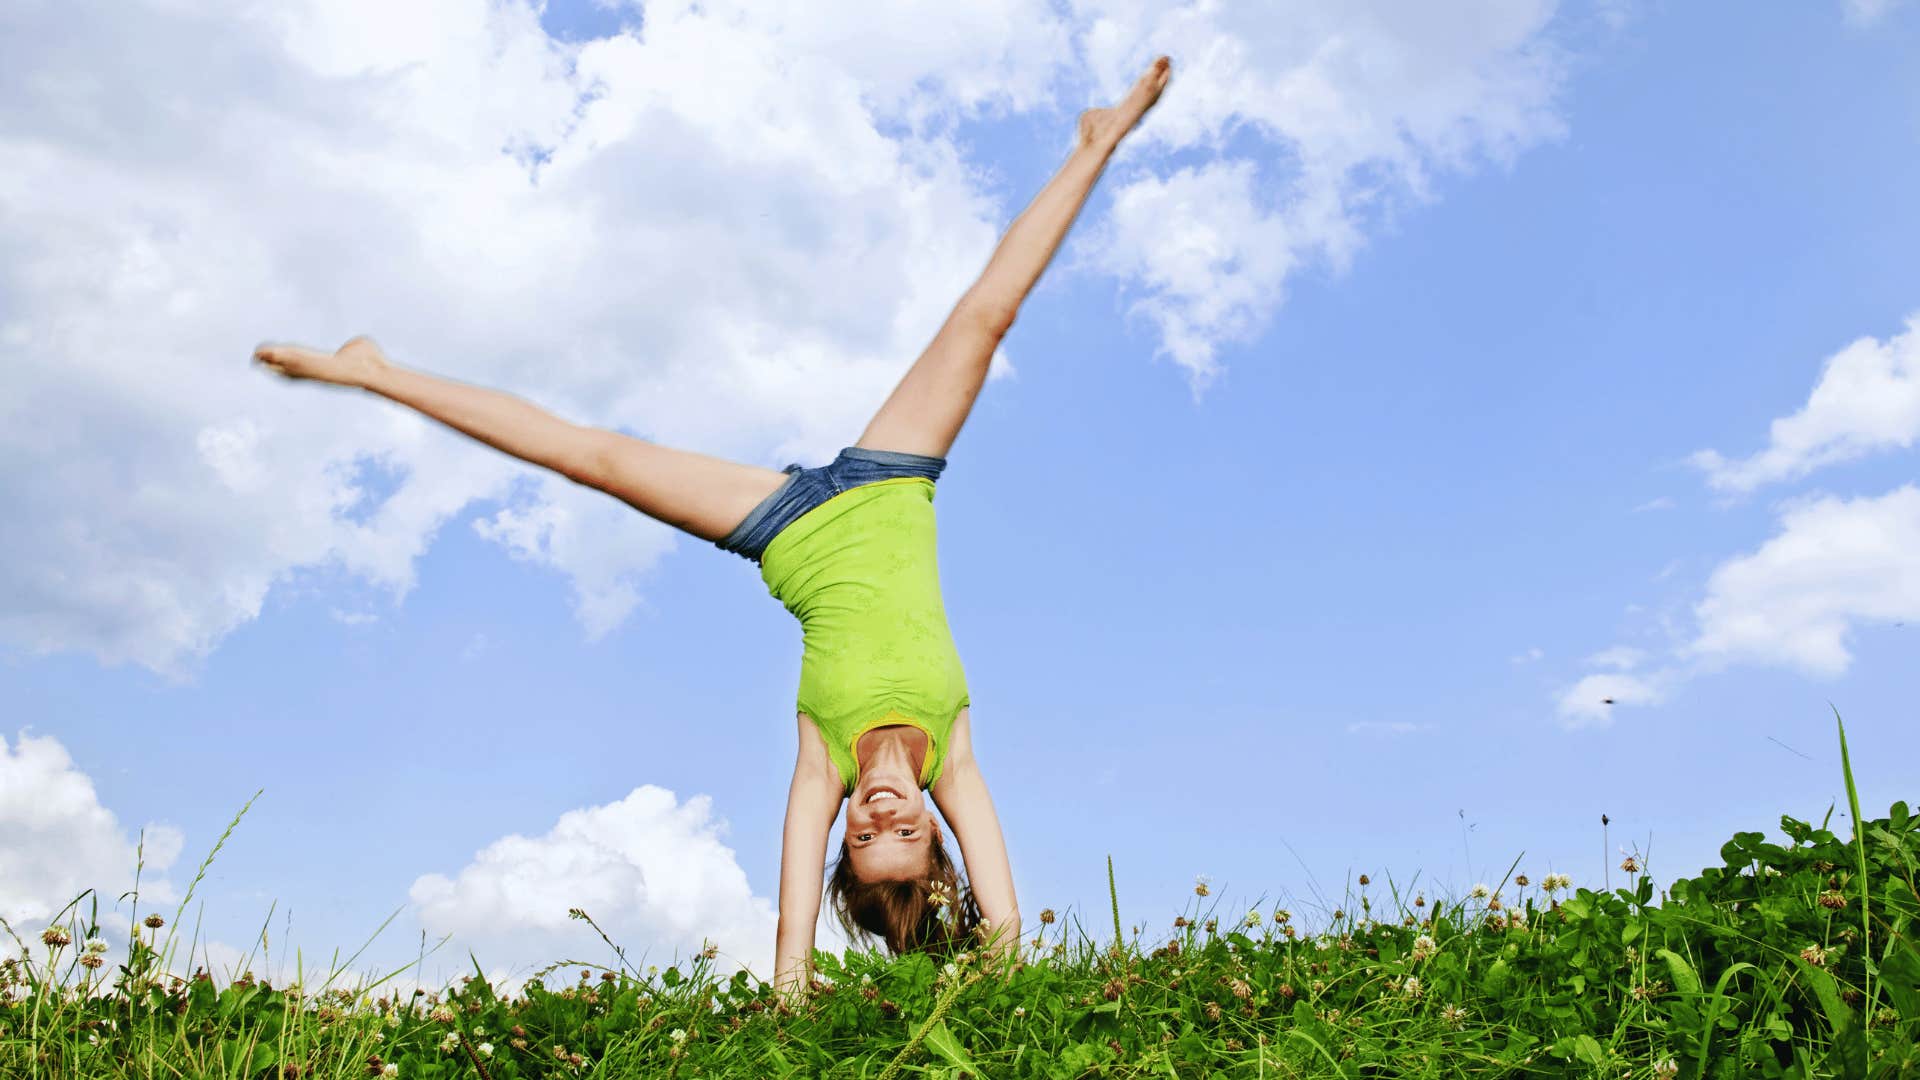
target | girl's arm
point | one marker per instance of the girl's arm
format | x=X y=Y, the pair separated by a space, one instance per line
x=961 y=795
x=812 y=803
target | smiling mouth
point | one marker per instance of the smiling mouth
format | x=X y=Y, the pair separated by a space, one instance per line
x=883 y=793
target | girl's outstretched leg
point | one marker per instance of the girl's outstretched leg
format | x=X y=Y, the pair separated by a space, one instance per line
x=705 y=496
x=928 y=407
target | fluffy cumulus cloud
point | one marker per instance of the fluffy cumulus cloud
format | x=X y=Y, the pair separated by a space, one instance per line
x=1835 y=565
x=57 y=840
x=1866 y=401
x=729 y=227
x=651 y=870
x=1309 y=123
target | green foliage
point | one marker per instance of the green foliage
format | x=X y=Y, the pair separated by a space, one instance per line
x=1793 y=959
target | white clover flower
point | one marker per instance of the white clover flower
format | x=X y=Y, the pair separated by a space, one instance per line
x=486 y=1049
x=1423 y=947
x=96 y=945
x=678 y=1035
x=950 y=970
x=390 y=1069
x=1019 y=1010
x=1253 y=917
x=1411 y=986
x=1480 y=891
x=1666 y=1069
x=478 y=1030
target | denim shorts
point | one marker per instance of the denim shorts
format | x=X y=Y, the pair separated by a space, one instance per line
x=807 y=488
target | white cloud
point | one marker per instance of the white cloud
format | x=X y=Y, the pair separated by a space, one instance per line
x=57 y=840
x=1591 y=701
x=652 y=872
x=1661 y=502
x=729 y=233
x=1353 y=108
x=1834 y=564
x=1867 y=401
x=701 y=235
x=1530 y=656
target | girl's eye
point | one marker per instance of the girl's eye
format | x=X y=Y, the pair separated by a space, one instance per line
x=864 y=836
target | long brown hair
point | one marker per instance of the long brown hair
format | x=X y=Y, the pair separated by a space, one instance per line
x=934 y=913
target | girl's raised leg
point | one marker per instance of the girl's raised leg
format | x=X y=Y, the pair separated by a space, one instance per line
x=702 y=495
x=926 y=410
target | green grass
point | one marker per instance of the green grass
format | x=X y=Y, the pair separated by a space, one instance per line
x=1792 y=959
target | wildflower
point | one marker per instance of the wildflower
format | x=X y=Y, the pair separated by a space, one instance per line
x=1240 y=989
x=1630 y=864
x=1412 y=986
x=1666 y=1069
x=1493 y=903
x=92 y=961
x=478 y=1030
x=1200 y=883
x=452 y=1040
x=712 y=950
x=940 y=895
x=1253 y=918
x=1419 y=901
x=1555 y=882
x=1423 y=947
x=55 y=937
x=1113 y=989
x=1833 y=899
x=486 y=1049
x=1517 y=919
x=1521 y=881
x=390 y=1069
x=1815 y=955
x=441 y=1015
x=1454 y=1015
x=1019 y=1010
x=1365 y=880
x=1179 y=921
x=1319 y=987
x=950 y=970
x=1282 y=916
x=1480 y=892
x=1213 y=1010
x=1046 y=916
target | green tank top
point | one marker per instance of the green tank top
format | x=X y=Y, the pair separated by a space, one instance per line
x=859 y=573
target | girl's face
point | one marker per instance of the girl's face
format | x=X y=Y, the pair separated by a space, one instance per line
x=890 y=830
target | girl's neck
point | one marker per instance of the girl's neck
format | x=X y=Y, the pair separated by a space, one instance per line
x=896 y=748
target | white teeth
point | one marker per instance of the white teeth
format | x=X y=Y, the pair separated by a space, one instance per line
x=883 y=793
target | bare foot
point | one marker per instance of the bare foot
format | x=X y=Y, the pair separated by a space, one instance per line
x=355 y=364
x=1106 y=127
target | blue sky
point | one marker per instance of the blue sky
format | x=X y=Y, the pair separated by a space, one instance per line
x=1319 y=617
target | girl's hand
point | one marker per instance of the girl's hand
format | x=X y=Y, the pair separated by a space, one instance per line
x=356 y=363
x=1104 y=128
